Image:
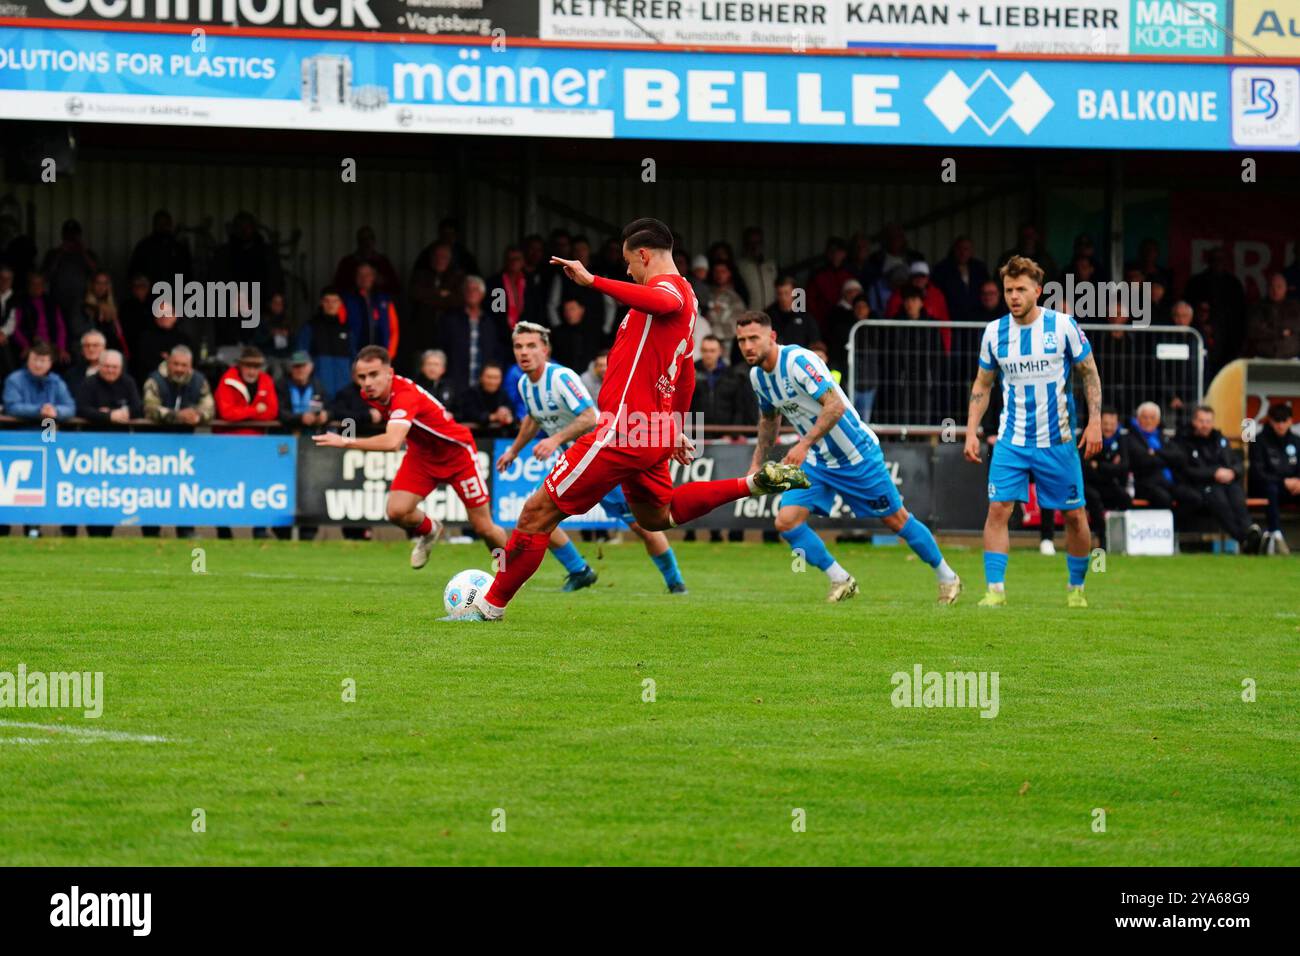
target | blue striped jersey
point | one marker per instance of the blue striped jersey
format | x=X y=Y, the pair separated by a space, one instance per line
x=794 y=389
x=556 y=398
x=1035 y=361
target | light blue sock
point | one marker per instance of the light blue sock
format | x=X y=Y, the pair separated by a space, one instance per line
x=919 y=538
x=569 y=557
x=1078 y=568
x=810 y=542
x=995 y=567
x=667 y=565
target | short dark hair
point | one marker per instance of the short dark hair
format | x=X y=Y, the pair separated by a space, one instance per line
x=1279 y=411
x=910 y=291
x=1110 y=410
x=42 y=347
x=1208 y=409
x=369 y=352
x=754 y=318
x=711 y=338
x=330 y=290
x=647 y=234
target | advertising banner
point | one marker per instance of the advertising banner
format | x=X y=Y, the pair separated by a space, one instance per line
x=1268 y=27
x=349 y=486
x=146 y=479
x=1257 y=235
x=511 y=488
x=420 y=17
x=281 y=83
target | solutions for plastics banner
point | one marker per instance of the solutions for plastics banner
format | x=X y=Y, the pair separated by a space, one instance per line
x=290 y=83
x=146 y=479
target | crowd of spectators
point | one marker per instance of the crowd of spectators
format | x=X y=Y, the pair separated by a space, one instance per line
x=71 y=347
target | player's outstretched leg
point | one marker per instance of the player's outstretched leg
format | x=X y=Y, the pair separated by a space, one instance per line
x=1078 y=548
x=661 y=553
x=921 y=540
x=578 y=572
x=697 y=498
x=404 y=511
x=791 y=522
x=997 y=547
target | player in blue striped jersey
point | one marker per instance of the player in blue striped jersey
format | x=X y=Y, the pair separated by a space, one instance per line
x=1035 y=350
x=836 y=449
x=560 y=405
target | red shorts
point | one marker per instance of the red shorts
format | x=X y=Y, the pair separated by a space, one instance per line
x=420 y=472
x=591 y=469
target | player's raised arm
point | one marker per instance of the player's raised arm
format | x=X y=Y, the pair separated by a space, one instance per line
x=650 y=299
x=390 y=440
x=979 y=403
x=1090 y=441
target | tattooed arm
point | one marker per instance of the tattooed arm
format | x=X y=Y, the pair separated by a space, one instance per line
x=1090 y=441
x=769 y=424
x=979 y=403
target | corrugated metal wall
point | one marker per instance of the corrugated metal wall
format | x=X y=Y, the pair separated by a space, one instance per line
x=115 y=197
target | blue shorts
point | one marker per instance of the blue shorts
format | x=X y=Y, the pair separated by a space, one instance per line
x=865 y=488
x=1055 y=470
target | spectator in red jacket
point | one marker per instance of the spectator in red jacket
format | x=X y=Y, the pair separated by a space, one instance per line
x=247 y=394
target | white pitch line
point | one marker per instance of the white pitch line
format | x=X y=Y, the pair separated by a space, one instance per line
x=80 y=734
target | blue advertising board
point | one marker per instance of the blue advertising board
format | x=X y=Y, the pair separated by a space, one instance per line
x=244 y=81
x=146 y=479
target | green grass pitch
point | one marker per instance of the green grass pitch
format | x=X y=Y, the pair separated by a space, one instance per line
x=767 y=701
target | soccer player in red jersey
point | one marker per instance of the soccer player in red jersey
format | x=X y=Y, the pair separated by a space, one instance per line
x=439 y=450
x=647 y=387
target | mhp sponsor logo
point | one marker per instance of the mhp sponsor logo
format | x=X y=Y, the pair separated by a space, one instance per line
x=22 y=476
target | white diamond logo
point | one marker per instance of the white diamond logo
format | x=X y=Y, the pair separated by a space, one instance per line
x=1026 y=102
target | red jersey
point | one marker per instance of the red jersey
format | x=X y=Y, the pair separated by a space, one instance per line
x=651 y=361
x=432 y=427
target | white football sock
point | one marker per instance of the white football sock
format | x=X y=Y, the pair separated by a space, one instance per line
x=945 y=574
x=837 y=573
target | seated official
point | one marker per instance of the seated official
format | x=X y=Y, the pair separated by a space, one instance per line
x=1210 y=466
x=1275 y=470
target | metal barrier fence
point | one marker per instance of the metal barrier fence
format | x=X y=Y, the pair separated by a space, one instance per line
x=916 y=375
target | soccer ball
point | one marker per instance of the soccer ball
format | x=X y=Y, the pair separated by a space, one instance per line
x=463 y=588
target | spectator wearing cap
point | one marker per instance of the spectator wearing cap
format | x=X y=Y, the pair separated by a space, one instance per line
x=35 y=392
x=87 y=363
x=936 y=306
x=246 y=393
x=698 y=277
x=300 y=396
x=174 y=394
x=325 y=337
x=960 y=277
x=1275 y=470
x=110 y=396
